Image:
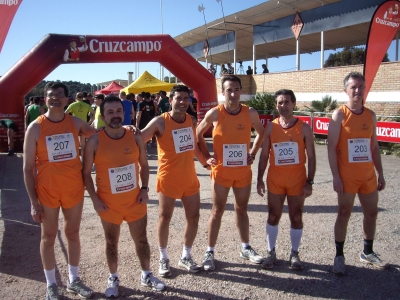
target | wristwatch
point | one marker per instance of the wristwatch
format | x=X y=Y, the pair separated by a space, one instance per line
x=310 y=182
x=206 y=166
x=145 y=188
x=253 y=156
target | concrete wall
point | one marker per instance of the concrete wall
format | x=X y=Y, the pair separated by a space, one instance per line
x=384 y=97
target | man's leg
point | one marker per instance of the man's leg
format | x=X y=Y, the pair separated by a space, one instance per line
x=48 y=237
x=139 y=235
x=345 y=207
x=191 y=205
x=369 y=204
x=10 y=136
x=72 y=222
x=242 y=196
x=165 y=210
x=295 y=204
x=111 y=233
x=220 y=196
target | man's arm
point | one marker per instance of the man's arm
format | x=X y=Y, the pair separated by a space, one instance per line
x=335 y=125
x=263 y=161
x=31 y=137
x=138 y=116
x=210 y=117
x=197 y=152
x=256 y=123
x=311 y=161
x=91 y=115
x=376 y=156
x=88 y=159
x=143 y=196
x=27 y=118
x=155 y=127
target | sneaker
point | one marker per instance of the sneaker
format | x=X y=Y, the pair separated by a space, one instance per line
x=338 y=265
x=269 y=260
x=251 y=255
x=373 y=259
x=93 y=169
x=164 y=270
x=153 y=282
x=294 y=261
x=79 y=288
x=52 y=292
x=112 y=287
x=208 y=261
x=10 y=153
x=188 y=263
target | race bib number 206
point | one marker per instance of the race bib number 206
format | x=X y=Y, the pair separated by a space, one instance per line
x=235 y=155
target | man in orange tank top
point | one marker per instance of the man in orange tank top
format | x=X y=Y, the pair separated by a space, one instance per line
x=354 y=155
x=287 y=140
x=53 y=180
x=176 y=177
x=230 y=163
x=118 y=156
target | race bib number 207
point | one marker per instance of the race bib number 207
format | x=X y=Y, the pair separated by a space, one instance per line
x=60 y=147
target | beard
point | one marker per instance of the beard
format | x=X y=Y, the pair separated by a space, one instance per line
x=115 y=122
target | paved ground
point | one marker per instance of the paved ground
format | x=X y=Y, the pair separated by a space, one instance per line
x=21 y=275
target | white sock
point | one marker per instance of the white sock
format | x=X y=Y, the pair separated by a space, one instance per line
x=295 y=236
x=73 y=272
x=272 y=235
x=114 y=275
x=50 y=276
x=145 y=273
x=186 y=251
x=163 y=253
x=210 y=249
x=245 y=245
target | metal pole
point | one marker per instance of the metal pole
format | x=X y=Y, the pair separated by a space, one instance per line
x=226 y=32
x=201 y=9
x=322 y=49
x=297 y=55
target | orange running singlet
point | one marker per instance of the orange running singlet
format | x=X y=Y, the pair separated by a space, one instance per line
x=176 y=152
x=117 y=169
x=57 y=155
x=354 y=145
x=287 y=146
x=231 y=139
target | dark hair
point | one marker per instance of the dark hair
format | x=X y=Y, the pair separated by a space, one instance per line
x=285 y=92
x=99 y=96
x=178 y=88
x=122 y=93
x=130 y=96
x=109 y=99
x=153 y=97
x=84 y=94
x=143 y=94
x=147 y=95
x=163 y=94
x=36 y=99
x=90 y=95
x=55 y=85
x=230 y=78
x=31 y=98
x=357 y=75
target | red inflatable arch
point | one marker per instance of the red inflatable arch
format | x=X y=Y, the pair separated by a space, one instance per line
x=48 y=54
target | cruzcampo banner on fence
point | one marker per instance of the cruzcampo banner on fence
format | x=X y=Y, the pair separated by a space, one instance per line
x=383 y=27
x=8 y=8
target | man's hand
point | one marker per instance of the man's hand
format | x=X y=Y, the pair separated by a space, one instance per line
x=307 y=190
x=213 y=160
x=99 y=206
x=338 y=185
x=250 y=159
x=381 y=183
x=260 y=187
x=143 y=197
x=37 y=212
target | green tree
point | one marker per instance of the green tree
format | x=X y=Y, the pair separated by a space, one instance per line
x=326 y=104
x=263 y=102
x=173 y=79
x=348 y=56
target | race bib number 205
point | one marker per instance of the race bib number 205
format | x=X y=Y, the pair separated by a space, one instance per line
x=286 y=153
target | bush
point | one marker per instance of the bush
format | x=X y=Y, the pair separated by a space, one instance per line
x=263 y=102
x=326 y=104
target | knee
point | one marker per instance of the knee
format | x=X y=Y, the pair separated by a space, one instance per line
x=296 y=220
x=371 y=214
x=48 y=239
x=217 y=212
x=165 y=217
x=193 y=219
x=72 y=233
x=273 y=219
x=344 y=213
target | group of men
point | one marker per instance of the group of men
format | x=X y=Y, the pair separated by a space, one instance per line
x=122 y=176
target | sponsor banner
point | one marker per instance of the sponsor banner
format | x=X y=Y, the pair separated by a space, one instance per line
x=388 y=132
x=8 y=8
x=320 y=125
x=265 y=119
x=305 y=119
x=383 y=27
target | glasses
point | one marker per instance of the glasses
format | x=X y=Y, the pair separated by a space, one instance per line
x=58 y=95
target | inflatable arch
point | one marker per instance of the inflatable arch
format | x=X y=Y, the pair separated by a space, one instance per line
x=50 y=52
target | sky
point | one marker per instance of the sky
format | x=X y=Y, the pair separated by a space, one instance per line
x=36 y=18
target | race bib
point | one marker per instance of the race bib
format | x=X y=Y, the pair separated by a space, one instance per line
x=234 y=155
x=183 y=139
x=286 y=153
x=60 y=147
x=359 y=150
x=122 y=179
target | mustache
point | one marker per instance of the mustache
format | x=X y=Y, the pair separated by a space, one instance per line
x=116 y=119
